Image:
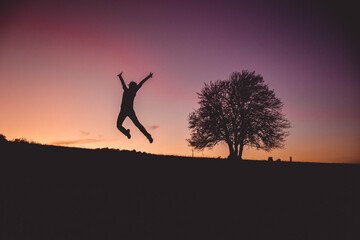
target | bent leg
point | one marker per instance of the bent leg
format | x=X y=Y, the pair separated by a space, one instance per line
x=120 y=120
x=133 y=118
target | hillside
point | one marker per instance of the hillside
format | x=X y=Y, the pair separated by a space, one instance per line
x=53 y=192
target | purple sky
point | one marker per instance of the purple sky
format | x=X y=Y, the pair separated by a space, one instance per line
x=59 y=60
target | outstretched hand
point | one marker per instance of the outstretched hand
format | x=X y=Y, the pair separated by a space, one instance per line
x=120 y=74
x=150 y=75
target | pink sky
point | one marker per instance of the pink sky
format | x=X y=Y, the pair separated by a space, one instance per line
x=59 y=61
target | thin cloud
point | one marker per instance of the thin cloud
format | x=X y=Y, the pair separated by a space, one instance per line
x=84 y=133
x=77 y=141
x=153 y=127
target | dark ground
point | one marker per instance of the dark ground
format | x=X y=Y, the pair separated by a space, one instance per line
x=67 y=193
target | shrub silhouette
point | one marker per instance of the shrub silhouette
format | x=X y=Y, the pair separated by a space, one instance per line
x=240 y=111
x=21 y=140
x=2 y=139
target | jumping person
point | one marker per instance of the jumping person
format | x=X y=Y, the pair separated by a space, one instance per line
x=127 y=107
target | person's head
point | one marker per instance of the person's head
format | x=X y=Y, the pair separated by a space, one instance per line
x=132 y=85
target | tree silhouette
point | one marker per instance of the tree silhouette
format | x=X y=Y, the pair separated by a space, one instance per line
x=240 y=111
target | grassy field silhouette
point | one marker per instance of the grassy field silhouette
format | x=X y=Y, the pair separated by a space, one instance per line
x=51 y=192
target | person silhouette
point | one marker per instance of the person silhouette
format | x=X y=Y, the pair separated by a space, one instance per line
x=127 y=107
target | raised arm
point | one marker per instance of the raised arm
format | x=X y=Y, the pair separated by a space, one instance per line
x=122 y=81
x=145 y=79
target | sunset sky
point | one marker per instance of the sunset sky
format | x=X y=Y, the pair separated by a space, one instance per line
x=59 y=61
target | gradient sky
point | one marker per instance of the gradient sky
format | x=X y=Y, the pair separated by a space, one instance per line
x=59 y=61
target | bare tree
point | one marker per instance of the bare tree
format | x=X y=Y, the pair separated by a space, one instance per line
x=240 y=111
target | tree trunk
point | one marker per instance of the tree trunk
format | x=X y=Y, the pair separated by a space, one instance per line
x=241 y=151
x=231 y=150
x=236 y=152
